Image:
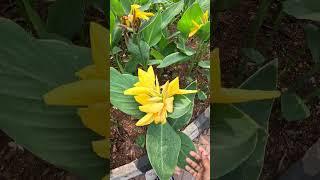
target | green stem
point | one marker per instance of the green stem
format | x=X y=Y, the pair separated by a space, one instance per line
x=257 y=23
x=195 y=58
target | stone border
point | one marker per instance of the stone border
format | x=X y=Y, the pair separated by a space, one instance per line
x=142 y=165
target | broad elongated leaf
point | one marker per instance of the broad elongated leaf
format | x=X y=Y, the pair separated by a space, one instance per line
x=172 y=59
x=118 y=84
x=303 y=9
x=163 y=146
x=62 y=14
x=170 y=13
x=293 y=107
x=204 y=64
x=186 y=146
x=193 y=13
x=234 y=138
x=180 y=107
x=139 y=52
x=152 y=32
x=117 y=8
x=180 y=122
x=265 y=78
x=30 y=68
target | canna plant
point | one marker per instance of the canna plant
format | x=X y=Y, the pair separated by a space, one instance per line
x=31 y=68
x=241 y=122
x=164 y=109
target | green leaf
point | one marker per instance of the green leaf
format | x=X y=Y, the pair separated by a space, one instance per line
x=303 y=9
x=204 y=32
x=140 y=53
x=193 y=13
x=181 y=45
x=172 y=59
x=141 y=140
x=186 y=146
x=293 y=107
x=253 y=55
x=264 y=78
x=204 y=64
x=313 y=40
x=180 y=122
x=204 y=4
x=170 y=13
x=117 y=8
x=181 y=106
x=66 y=18
x=234 y=137
x=30 y=68
x=163 y=146
x=154 y=62
x=152 y=32
x=35 y=19
x=118 y=84
x=202 y=96
x=156 y=54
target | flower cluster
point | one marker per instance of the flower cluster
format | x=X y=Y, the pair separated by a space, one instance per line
x=155 y=100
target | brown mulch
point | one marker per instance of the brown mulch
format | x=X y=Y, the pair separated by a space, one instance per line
x=288 y=141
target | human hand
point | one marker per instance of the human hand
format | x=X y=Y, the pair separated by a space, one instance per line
x=200 y=169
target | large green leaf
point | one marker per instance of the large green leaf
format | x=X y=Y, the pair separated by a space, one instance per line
x=152 y=32
x=117 y=8
x=180 y=122
x=66 y=18
x=293 y=107
x=313 y=40
x=139 y=52
x=193 y=13
x=234 y=138
x=170 y=13
x=303 y=9
x=163 y=146
x=180 y=107
x=30 y=68
x=173 y=58
x=186 y=146
x=118 y=84
x=265 y=78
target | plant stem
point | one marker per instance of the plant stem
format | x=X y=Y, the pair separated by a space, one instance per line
x=195 y=58
x=257 y=23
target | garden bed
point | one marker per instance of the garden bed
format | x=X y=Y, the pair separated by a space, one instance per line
x=288 y=141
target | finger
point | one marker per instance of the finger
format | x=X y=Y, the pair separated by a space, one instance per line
x=191 y=171
x=205 y=162
x=193 y=164
x=203 y=151
x=178 y=171
x=195 y=155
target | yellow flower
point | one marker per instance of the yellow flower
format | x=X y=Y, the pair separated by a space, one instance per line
x=156 y=101
x=228 y=96
x=196 y=26
x=135 y=16
x=90 y=91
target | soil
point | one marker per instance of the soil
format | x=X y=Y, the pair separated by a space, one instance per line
x=288 y=141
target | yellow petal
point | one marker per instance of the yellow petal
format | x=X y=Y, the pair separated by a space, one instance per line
x=134 y=7
x=147 y=119
x=165 y=89
x=137 y=91
x=228 y=96
x=101 y=147
x=151 y=108
x=142 y=99
x=173 y=87
x=155 y=99
x=205 y=17
x=79 y=93
x=99 y=46
x=169 y=104
x=184 y=91
x=157 y=85
x=216 y=79
x=95 y=118
x=90 y=72
x=157 y=118
x=163 y=116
